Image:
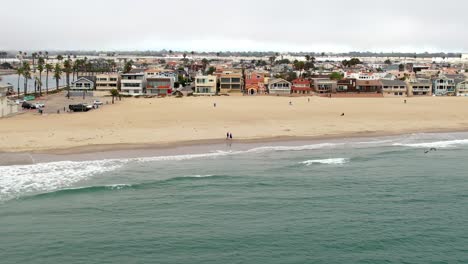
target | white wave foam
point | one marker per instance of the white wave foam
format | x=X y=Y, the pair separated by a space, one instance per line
x=199 y=176
x=436 y=144
x=337 y=161
x=46 y=177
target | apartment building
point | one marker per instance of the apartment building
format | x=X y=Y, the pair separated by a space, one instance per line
x=107 y=82
x=419 y=87
x=392 y=88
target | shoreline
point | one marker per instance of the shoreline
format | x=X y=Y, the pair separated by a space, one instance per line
x=118 y=151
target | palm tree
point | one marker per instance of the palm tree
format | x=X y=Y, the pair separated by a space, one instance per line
x=67 y=68
x=114 y=93
x=34 y=56
x=40 y=68
x=19 y=71
x=57 y=74
x=26 y=75
x=59 y=58
x=48 y=68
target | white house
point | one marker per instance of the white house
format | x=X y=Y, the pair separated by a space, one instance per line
x=133 y=83
x=7 y=107
x=279 y=86
x=83 y=83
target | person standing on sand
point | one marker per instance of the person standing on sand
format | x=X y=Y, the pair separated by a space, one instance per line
x=214 y=105
x=227 y=135
x=230 y=136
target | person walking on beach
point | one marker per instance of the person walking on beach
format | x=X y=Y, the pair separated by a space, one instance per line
x=227 y=135
x=214 y=105
x=230 y=136
x=308 y=100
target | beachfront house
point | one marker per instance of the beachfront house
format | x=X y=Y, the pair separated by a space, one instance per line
x=442 y=85
x=347 y=85
x=419 y=87
x=83 y=83
x=7 y=107
x=301 y=86
x=205 y=85
x=462 y=88
x=392 y=88
x=324 y=85
x=107 y=81
x=231 y=82
x=133 y=82
x=369 y=86
x=255 y=82
x=159 y=85
x=279 y=86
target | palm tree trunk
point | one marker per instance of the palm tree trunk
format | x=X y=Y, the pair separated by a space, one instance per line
x=18 y=87
x=68 y=85
x=40 y=83
x=25 y=86
x=47 y=82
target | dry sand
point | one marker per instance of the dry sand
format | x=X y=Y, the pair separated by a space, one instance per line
x=166 y=122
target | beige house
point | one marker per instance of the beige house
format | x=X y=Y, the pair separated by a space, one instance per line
x=107 y=82
x=462 y=88
x=231 y=82
x=205 y=85
x=392 y=88
x=419 y=87
x=7 y=107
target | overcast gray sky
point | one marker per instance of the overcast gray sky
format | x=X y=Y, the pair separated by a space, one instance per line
x=242 y=25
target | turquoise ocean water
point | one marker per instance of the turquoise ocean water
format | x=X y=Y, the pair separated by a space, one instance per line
x=362 y=201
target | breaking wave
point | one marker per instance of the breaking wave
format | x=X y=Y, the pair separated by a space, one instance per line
x=338 y=161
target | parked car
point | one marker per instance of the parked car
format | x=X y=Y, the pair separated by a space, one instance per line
x=80 y=107
x=39 y=105
x=97 y=102
x=27 y=105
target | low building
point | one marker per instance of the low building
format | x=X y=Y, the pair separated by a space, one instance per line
x=107 y=82
x=83 y=83
x=368 y=86
x=279 y=86
x=301 y=86
x=7 y=107
x=419 y=87
x=133 y=82
x=159 y=85
x=346 y=86
x=205 y=85
x=462 y=88
x=231 y=82
x=392 y=88
x=442 y=85
x=323 y=85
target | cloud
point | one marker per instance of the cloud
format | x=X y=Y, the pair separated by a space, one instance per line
x=205 y=25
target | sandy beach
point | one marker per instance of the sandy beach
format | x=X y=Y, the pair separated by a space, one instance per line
x=142 y=123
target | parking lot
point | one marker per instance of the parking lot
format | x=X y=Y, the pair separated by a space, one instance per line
x=60 y=102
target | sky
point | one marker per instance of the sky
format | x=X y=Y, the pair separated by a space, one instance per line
x=236 y=25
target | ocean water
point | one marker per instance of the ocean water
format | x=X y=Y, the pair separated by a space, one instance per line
x=379 y=200
x=13 y=80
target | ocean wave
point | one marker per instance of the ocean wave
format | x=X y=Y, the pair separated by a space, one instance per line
x=435 y=144
x=337 y=161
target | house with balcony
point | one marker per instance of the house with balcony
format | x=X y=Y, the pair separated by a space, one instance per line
x=159 y=85
x=419 y=87
x=347 y=85
x=107 y=82
x=301 y=86
x=133 y=82
x=462 y=88
x=368 y=86
x=231 y=82
x=391 y=88
x=83 y=83
x=323 y=85
x=442 y=85
x=279 y=86
x=255 y=82
x=205 y=85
